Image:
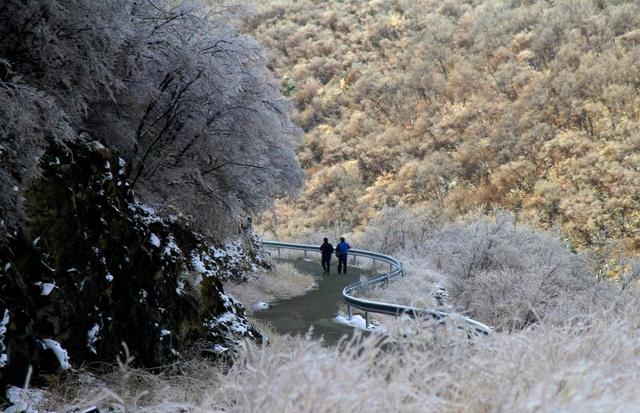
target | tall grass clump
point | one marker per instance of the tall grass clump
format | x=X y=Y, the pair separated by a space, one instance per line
x=588 y=365
x=283 y=282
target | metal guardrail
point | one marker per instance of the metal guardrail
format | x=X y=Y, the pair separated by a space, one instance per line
x=395 y=270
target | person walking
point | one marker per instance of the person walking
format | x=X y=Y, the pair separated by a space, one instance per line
x=326 y=249
x=341 y=252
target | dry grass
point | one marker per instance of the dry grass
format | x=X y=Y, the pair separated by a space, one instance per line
x=417 y=288
x=589 y=365
x=565 y=342
x=285 y=281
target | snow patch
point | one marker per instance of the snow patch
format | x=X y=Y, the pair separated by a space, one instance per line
x=45 y=288
x=107 y=167
x=24 y=400
x=56 y=162
x=180 y=287
x=3 y=331
x=231 y=321
x=60 y=353
x=164 y=333
x=108 y=277
x=148 y=215
x=92 y=338
x=359 y=322
x=154 y=240
x=147 y=209
x=260 y=305
x=219 y=348
x=197 y=263
x=142 y=294
x=171 y=248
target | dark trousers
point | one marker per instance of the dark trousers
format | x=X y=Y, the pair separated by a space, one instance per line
x=342 y=263
x=326 y=262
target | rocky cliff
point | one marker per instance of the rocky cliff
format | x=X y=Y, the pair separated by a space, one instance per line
x=91 y=269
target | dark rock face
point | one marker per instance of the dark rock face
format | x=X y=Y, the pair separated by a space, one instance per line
x=94 y=269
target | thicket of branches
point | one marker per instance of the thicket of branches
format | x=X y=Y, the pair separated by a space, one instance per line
x=501 y=272
x=531 y=106
x=174 y=87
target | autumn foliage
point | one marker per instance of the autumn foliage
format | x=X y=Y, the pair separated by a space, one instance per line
x=458 y=105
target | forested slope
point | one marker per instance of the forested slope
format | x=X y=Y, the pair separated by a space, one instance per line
x=452 y=105
x=136 y=138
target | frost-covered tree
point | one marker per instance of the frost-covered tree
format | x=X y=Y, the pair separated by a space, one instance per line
x=175 y=88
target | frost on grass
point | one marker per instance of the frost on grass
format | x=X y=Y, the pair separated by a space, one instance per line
x=587 y=365
x=263 y=288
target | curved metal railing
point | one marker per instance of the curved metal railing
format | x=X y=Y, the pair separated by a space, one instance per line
x=349 y=293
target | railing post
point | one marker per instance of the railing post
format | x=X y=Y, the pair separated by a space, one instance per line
x=354 y=259
x=305 y=253
x=349 y=312
x=390 y=267
x=278 y=252
x=366 y=319
x=373 y=263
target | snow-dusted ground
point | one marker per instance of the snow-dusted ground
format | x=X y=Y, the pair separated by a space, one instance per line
x=357 y=321
x=25 y=400
x=260 y=305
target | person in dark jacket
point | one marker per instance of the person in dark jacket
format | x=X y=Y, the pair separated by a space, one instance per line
x=327 y=250
x=341 y=252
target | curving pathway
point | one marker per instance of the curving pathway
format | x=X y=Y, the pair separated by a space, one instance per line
x=317 y=308
x=351 y=293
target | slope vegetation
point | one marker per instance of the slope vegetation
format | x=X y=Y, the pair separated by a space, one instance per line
x=530 y=106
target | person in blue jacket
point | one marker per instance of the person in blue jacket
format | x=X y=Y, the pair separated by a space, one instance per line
x=341 y=253
x=326 y=249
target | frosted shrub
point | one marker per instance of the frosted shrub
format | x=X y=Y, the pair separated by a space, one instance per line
x=397 y=228
x=504 y=274
x=418 y=288
x=174 y=87
x=29 y=121
x=510 y=276
x=588 y=366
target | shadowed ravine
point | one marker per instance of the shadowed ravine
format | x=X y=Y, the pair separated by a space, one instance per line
x=317 y=308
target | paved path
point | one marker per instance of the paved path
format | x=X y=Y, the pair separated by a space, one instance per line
x=317 y=308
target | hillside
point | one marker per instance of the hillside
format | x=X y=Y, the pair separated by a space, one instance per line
x=454 y=106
